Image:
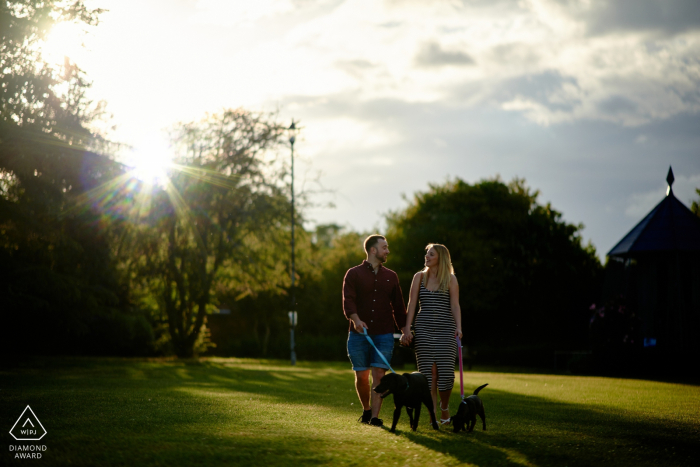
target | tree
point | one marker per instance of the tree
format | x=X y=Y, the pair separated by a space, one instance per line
x=524 y=275
x=220 y=206
x=257 y=289
x=57 y=272
x=695 y=207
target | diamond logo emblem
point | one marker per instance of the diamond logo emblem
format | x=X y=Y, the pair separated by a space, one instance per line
x=28 y=427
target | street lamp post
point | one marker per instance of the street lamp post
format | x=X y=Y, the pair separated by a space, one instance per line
x=293 y=314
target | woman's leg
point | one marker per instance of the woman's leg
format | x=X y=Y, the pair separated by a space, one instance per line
x=445 y=404
x=433 y=388
x=446 y=373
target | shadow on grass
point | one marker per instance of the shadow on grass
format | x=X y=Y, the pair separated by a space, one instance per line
x=172 y=412
x=121 y=412
x=526 y=430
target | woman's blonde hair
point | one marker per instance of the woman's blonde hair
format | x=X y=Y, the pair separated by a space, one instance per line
x=444 y=269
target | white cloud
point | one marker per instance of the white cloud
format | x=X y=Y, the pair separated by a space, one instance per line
x=331 y=135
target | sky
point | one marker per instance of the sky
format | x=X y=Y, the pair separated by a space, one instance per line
x=589 y=101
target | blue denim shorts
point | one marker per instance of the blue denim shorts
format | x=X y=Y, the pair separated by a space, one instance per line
x=362 y=354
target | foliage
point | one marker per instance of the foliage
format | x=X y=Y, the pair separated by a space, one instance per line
x=695 y=207
x=58 y=274
x=320 y=296
x=525 y=277
x=45 y=97
x=217 y=212
x=614 y=326
x=259 y=310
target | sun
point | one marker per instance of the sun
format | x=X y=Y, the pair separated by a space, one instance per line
x=150 y=161
x=64 y=40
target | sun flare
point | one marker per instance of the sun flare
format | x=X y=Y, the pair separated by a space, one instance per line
x=150 y=161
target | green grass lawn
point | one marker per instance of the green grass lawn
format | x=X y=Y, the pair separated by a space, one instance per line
x=219 y=411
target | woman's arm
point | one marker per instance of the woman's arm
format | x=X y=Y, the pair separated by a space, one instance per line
x=454 y=305
x=412 y=300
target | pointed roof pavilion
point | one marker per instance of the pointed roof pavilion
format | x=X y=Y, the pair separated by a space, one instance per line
x=669 y=227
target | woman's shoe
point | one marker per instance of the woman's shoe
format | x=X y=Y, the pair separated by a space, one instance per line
x=448 y=420
x=376 y=421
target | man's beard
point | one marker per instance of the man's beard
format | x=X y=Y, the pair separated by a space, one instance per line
x=382 y=259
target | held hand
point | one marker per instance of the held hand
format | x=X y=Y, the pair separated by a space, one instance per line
x=458 y=333
x=406 y=337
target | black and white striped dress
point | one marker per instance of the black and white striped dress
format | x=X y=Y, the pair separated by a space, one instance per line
x=435 y=337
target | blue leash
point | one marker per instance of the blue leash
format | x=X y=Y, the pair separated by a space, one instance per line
x=364 y=331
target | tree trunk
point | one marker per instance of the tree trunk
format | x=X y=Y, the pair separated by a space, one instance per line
x=183 y=349
x=266 y=339
x=256 y=335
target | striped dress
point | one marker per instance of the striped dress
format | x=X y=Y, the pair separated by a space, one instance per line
x=435 y=337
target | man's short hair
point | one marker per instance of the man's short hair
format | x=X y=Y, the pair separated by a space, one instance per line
x=372 y=241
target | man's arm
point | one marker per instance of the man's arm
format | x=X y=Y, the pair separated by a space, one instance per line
x=349 y=303
x=349 y=294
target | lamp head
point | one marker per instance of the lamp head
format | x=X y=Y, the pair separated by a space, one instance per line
x=292 y=133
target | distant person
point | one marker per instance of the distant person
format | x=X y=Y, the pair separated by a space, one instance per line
x=372 y=300
x=438 y=322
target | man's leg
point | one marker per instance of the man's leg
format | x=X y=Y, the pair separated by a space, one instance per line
x=358 y=351
x=377 y=374
x=362 y=387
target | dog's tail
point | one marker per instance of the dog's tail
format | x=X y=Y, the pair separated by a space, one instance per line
x=476 y=391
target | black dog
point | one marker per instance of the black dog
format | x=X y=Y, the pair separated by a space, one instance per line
x=410 y=390
x=469 y=408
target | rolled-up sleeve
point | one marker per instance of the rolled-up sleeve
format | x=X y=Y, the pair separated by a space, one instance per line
x=349 y=294
x=398 y=304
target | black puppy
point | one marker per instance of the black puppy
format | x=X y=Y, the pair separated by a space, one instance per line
x=468 y=409
x=410 y=390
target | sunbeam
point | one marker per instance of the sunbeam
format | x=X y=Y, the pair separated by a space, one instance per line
x=151 y=161
x=208 y=176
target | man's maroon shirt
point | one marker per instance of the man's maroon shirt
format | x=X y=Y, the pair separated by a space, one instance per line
x=376 y=298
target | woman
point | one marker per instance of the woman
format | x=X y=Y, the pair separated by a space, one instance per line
x=437 y=324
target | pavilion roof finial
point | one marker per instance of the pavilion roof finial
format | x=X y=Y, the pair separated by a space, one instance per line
x=670 y=179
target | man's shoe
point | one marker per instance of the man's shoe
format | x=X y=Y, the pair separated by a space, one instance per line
x=366 y=416
x=376 y=422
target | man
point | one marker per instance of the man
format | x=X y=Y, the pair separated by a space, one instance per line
x=372 y=300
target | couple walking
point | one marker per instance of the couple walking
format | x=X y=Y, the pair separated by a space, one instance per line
x=372 y=301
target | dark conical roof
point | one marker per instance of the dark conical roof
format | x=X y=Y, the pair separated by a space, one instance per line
x=670 y=226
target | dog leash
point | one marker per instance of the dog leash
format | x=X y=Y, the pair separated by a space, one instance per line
x=364 y=331
x=461 y=378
